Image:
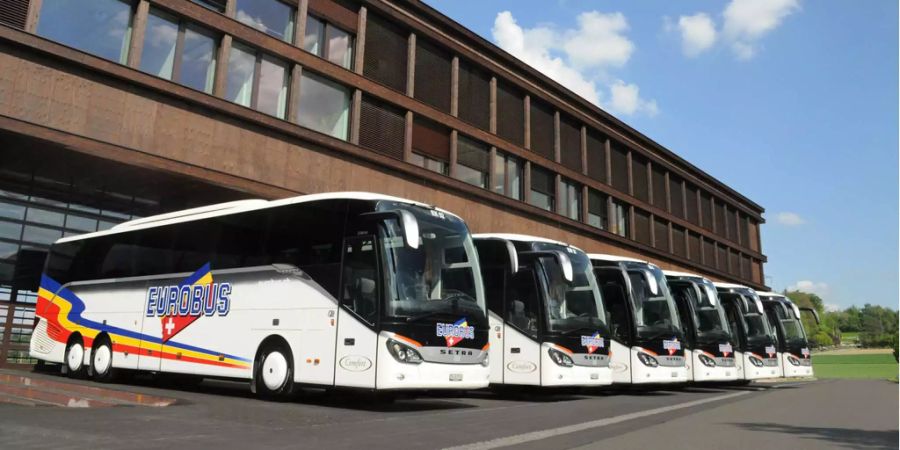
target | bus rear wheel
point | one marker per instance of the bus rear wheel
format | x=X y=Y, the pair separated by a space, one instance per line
x=274 y=378
x=74 y=360
x=101 y=362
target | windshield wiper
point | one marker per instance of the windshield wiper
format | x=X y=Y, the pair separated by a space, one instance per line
x=423 y=315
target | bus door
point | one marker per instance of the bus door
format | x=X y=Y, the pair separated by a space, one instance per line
x=736 y=323
x=357 y=339
x=614 y=287
x=684 y=294
x=521 y=328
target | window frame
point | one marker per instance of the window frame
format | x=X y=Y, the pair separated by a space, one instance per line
x=258 y=56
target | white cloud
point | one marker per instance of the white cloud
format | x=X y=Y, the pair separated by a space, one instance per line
x=812 y=287
x=599 y=41
x=579 y=58
x=625 y=99
x=747 y=21
x=832 y=307
x=790 y=219
x=698 y=33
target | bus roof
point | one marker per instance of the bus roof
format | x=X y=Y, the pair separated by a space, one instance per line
x=719 y=284
x=615 y=258
x=772 y=294
x=521 y=238
x=675 y=273
x=223 y=209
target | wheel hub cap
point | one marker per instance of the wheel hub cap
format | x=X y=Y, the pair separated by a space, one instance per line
x=274 y=370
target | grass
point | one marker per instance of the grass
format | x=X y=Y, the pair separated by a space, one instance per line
x=872 y=366
x=850 y=337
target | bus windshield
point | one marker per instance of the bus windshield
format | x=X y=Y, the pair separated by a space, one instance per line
x=793 y=329
x=571 y=306
x=441 y=276
x=710 y=315
x=755 y=317
x=653 y=304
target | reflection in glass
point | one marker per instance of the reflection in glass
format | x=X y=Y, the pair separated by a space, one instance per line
x=340 y=50
x=12 y=211
x=431 y=164
x=315 y=35
x=40 y=235
x=158 y=55
x=273 y=83
x=98 y=27
x=43 y=216
x=9 y=230
x=323 y=106
x=514 y=171
x=269 y=16
x=241 y=63
x=198 y=60
x=81 y=223
x=499 y=172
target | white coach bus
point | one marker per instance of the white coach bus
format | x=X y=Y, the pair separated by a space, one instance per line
x=548 y=326
x=793 y=346
x=353 y=290
x=709 y=343
x=756 y=354
x=647 y=342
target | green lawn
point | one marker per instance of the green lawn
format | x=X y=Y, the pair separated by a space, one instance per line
x=878 y=366
x=850 y=337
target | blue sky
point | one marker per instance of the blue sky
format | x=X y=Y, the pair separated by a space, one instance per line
x=793 y=103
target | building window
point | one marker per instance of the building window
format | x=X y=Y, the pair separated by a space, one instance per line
x=598 y=212
x=429 y=163
x=432 y=75
x=542 y=189
x=472 y=162
x=382 y=127
x=196 y=68
x=620 y=219
x=272 y=76
x=328 y=41
x=508 y=175
x=273 y=86
x=570 y=199
x=99 y=27
x=269 y=16
x=431 y=146
x=323 y=106
x=214 y=5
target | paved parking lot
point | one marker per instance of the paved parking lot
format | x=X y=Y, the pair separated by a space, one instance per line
x=822 y=414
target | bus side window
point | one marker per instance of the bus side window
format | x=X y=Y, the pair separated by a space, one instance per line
x=522 y=306
x=494 y=279
x=359 y=290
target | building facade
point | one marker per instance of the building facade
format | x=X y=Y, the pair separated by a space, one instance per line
x=115 y=109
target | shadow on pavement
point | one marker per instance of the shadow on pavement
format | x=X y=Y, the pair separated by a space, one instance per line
x=842 y=436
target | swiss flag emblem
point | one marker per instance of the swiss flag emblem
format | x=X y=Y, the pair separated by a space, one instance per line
x=172 y=325
x=172 y=322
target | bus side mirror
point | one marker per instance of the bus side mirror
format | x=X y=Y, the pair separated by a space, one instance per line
x=561 y=257
x=651 y=282
x=814 y=313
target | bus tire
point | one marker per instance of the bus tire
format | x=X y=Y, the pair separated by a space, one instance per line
x=73 y=364
x=101 y=361
x=274 y=377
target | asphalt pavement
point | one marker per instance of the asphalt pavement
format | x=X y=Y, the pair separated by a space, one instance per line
x=223 y=415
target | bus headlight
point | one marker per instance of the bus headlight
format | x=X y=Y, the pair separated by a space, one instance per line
x=648 y=360
x=560 y=358
x=756 y=361
x=403 y=353
x=793 y=360
x=707 y=361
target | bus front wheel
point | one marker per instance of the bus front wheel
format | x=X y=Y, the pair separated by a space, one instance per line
x=75 y=358
x=274 y=372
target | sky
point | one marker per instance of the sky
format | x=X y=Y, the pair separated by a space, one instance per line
x=793 y=103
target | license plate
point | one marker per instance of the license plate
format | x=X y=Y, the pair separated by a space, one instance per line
x=456 y=377
x=674 y=374
x=595 y=376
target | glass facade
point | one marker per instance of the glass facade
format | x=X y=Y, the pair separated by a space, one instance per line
x=431 y=164
x=241 y=68
x=323 y=106
x=273 y=87
x=198 y=59
x=98 y=27
x=329 y=42
x=160 y=38
x=269 y=16
x=570 y=199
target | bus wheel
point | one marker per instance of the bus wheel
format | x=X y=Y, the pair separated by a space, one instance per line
x=75 y=358
x=101 y=362
x=274 y=374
